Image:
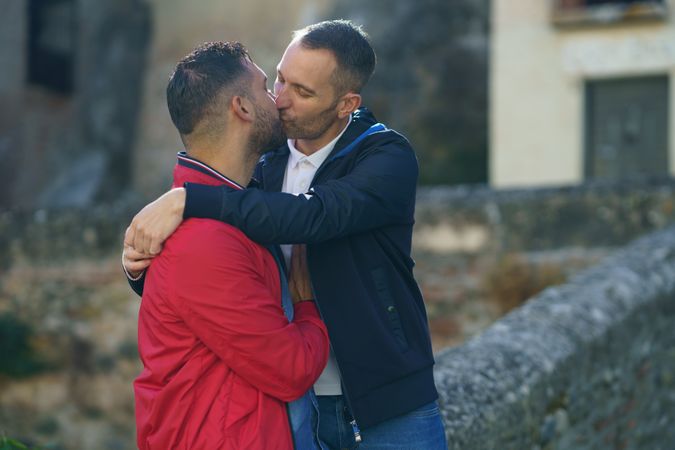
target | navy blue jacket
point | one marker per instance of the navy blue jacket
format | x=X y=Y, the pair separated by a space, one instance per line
x=357 y=223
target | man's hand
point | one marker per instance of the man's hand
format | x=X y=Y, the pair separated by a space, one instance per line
x=156 y=222
x=298 y=281
x=135 y=262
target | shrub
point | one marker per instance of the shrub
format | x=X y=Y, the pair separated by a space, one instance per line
x=11 y=444
x=512 y=280
x=16 y=354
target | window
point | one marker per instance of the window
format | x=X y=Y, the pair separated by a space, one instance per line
x=580 y=12
x=626 y=127
x=51 y=44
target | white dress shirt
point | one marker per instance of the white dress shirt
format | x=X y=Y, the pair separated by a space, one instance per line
x=300 y=171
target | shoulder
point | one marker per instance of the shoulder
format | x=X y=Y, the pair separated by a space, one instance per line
x=205 y=240
x=386 y=138
x=205 y=255
x=385 y=149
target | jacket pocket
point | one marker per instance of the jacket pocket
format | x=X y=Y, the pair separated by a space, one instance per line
x=387 y=302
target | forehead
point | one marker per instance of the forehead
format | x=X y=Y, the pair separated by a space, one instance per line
x=255 y=71
x=310 y=67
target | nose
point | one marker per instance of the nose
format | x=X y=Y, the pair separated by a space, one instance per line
x=281 y=100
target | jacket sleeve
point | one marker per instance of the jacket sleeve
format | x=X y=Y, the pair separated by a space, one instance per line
x=137 y=283
x=379 y=191
x=220 y=293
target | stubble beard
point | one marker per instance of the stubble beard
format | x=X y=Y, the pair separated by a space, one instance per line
x=268 y=135
x=312 y=128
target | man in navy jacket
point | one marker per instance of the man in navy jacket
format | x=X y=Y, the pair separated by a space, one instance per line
x=356 y=217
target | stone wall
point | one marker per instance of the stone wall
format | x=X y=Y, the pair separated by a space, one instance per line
x=77 y=148
x=450 y=221
x=586 y=365
x=71 y=148
x=60 y=277
x=470 y=220
x=12 y=49
x=481 y=252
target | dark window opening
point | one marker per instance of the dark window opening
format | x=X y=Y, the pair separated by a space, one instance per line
x=626 y=128
x=51 y=44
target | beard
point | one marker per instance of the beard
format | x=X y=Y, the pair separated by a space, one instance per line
x=313 y=127
x=268 y=133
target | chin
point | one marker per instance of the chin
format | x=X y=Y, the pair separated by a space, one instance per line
x=291 y=133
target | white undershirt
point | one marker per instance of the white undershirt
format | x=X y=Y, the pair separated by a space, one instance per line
x=300 y=171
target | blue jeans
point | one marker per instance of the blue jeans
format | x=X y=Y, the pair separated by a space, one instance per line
x=421 y=429
x=303 y=414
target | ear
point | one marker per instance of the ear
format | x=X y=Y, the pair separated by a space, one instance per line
x=243 y=108
x=349 y=103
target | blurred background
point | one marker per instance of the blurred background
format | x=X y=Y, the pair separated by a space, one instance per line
x=543 y=130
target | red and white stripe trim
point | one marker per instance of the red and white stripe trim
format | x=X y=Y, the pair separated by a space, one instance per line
x=185 y=158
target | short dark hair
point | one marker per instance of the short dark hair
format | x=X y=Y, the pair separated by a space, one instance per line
x=199 y=78
x=350 y=45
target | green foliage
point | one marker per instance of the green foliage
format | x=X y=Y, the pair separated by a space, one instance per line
x=11 y=444
x=431 y=80
x=16 y=355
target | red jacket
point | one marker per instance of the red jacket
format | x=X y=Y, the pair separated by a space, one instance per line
x=220 y=358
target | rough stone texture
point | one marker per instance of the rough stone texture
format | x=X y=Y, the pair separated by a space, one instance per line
x=448 y=44
x=599 y=214
x=54 y=236
x=115 y=38
x=73 y=149
x=587 y=365
x=83 y=318
x=13 y=39
x=547 y=376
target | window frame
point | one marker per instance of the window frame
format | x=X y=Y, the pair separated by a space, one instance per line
x=571 y=13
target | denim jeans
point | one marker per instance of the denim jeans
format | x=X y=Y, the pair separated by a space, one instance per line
x=303 y=414
x=421 y=429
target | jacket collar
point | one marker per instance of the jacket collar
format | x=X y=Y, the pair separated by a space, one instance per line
x=191 y=170
x=362 y=119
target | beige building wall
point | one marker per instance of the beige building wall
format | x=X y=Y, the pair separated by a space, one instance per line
x=178 y=26
x=537 y=76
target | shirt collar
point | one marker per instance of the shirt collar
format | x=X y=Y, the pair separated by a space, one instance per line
x=189 y=169
x=318 y=157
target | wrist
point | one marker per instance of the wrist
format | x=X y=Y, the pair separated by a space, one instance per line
x=131 y=274
x=203 y=201
x=179 y=201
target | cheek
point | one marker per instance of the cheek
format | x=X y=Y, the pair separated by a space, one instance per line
x=271 y=99
x=304 y=106
x=277 y=88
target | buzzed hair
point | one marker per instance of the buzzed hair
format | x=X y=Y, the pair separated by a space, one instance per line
x=199 y=79
x=351 y=47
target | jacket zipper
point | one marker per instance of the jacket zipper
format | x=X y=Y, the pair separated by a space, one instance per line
x=355 y=427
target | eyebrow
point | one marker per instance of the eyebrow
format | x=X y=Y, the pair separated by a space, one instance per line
x=301 y=86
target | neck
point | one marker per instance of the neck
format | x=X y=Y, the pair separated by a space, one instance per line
x=237 y=164
x=311 y=146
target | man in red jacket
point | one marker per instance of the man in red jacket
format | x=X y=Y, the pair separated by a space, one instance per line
x=221 y=358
